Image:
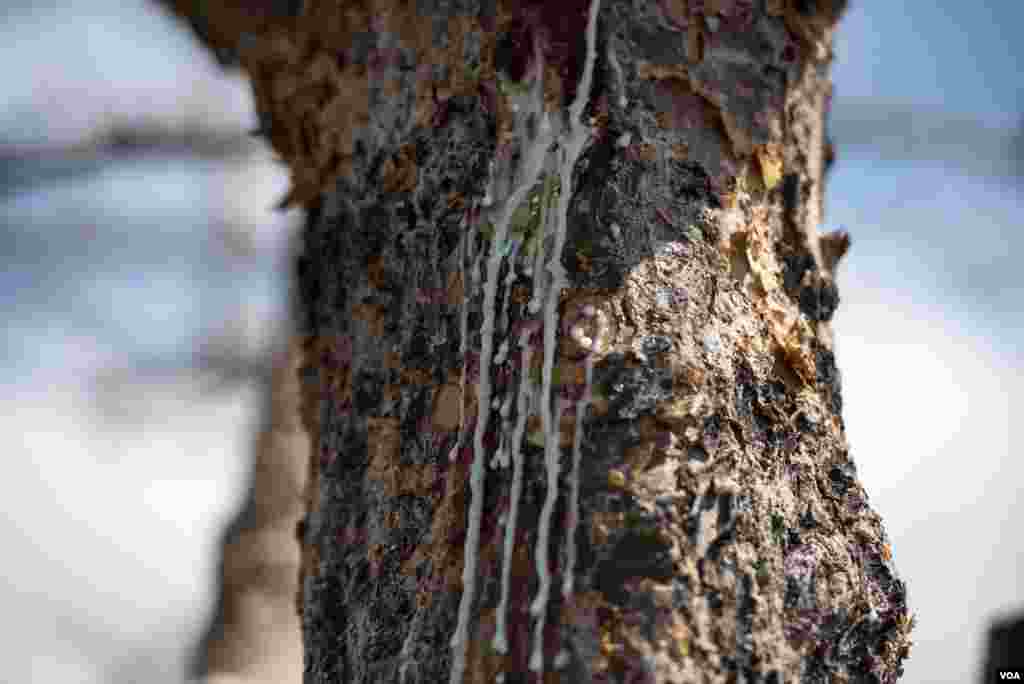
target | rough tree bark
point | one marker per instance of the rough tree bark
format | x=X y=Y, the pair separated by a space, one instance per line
x=569 y=371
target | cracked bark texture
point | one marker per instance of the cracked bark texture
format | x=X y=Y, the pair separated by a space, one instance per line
x=619 y=363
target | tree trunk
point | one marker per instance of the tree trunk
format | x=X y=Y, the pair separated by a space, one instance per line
x=255 y=636
x=570 y=378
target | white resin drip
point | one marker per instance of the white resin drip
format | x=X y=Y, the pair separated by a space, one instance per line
x=500 y=642
x=571 y=148
x=614 y=62
x=488 y=198
x=533 y=161
x=574 y=480
x=465 y=245
x=502 y=353
x=509 y=279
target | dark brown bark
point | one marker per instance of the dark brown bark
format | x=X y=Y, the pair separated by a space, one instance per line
x=571 y=384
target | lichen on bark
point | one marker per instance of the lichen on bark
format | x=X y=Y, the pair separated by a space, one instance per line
x=678 y=408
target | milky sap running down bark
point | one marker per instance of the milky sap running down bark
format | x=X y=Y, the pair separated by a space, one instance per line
x=579 y=134
x=534 y=155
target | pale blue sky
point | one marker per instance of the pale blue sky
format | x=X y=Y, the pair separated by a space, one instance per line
x=963 y=57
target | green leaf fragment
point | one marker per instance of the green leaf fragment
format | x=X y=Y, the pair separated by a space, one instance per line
x=521 y=219
x=552 y=188
x=509 y=87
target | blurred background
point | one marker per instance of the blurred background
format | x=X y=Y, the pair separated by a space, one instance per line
x=144 y=294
